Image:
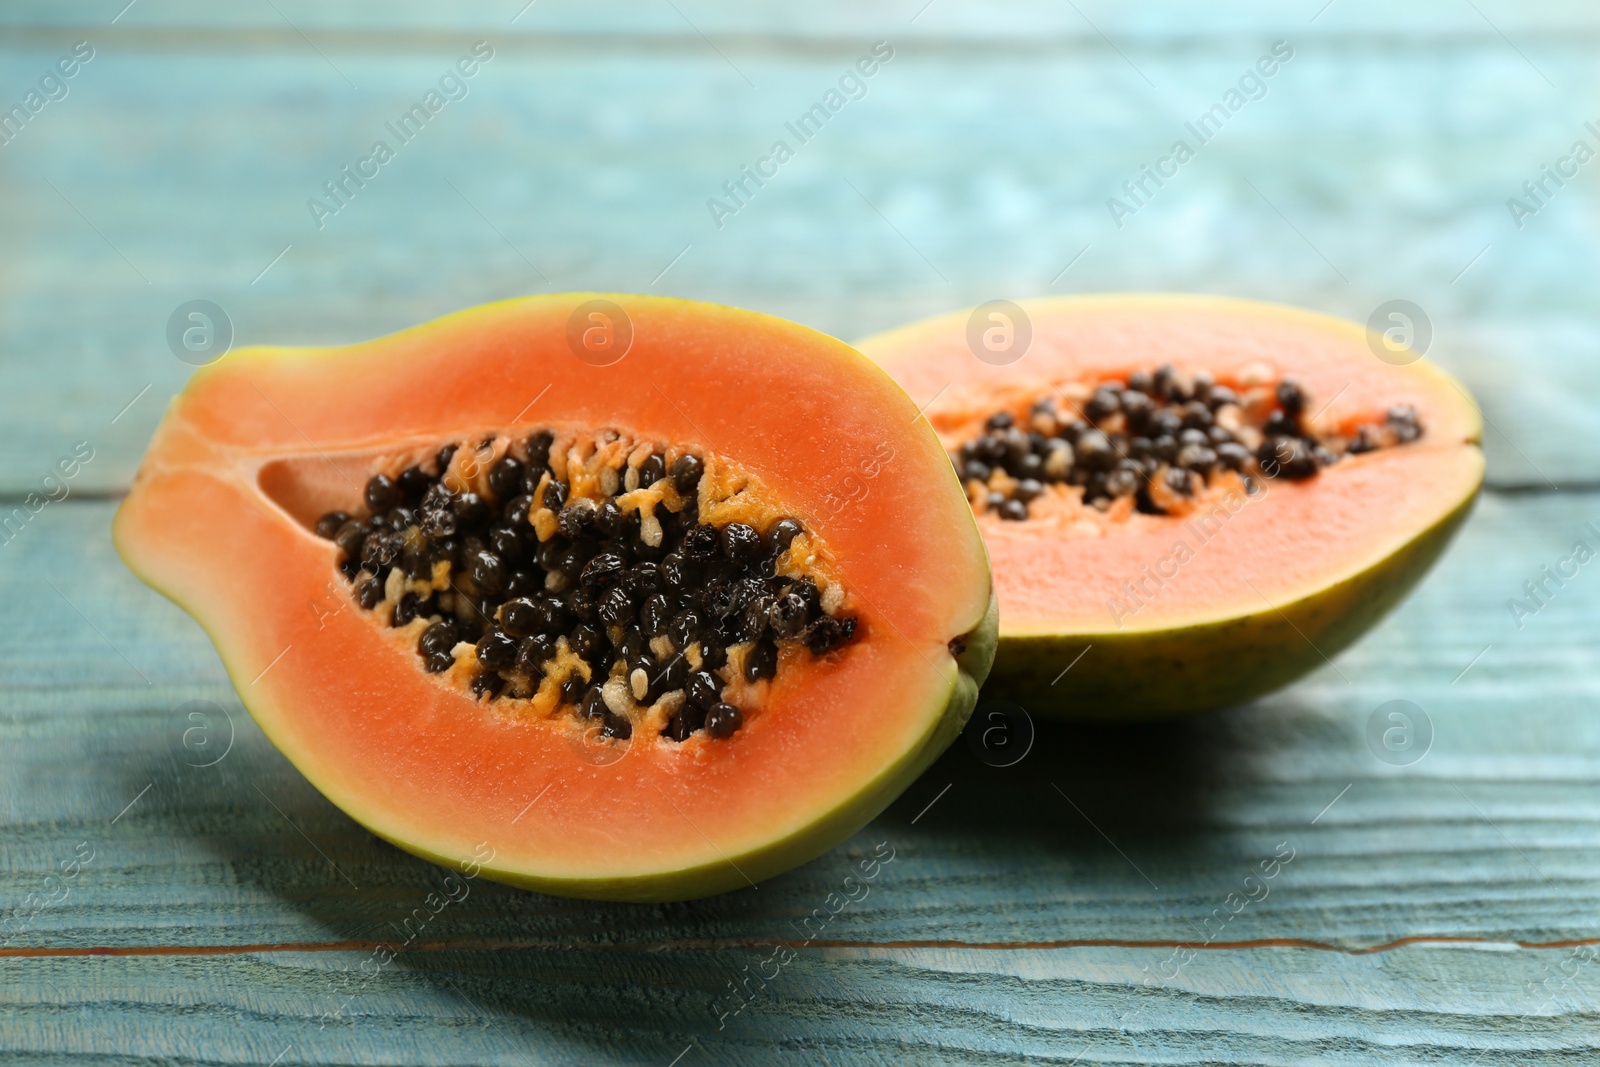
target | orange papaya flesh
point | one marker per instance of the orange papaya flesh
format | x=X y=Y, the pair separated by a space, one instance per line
x=222 y=519
x=1185 y=602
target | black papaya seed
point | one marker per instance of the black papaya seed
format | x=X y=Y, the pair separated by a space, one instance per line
x=686 y=472
x=497 y=650
x=328 y=526
x=762 y=662
x=723 y=721
x=702 y=586
x=381 y=493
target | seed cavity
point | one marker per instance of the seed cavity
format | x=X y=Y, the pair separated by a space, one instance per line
x=591 y=576
x=1157 y=438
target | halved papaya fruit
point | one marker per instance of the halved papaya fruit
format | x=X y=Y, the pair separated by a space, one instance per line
x=1188 y=501
x=609 y=596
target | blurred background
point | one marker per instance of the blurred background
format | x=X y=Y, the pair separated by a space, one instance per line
x=978 y=164
x=1397 y=152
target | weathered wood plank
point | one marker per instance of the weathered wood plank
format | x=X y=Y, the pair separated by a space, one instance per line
x=1492 y=835
x=1373 y=169
x=788 y=23
x=981 y=160
x=855 y=1006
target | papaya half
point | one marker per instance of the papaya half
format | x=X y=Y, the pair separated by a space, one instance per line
x=613 y=596
x=1188 y=501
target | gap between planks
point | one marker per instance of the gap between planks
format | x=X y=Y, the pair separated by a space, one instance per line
x=494 y=945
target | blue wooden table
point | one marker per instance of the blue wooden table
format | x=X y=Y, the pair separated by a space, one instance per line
x=168 y=896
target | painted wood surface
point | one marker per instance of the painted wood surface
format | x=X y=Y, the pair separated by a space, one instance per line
x=583 y=156
x=1441 y=909
x=1088 y=905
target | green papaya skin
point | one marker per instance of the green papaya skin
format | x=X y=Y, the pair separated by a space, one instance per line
x=1161 y=673
x=851 y=814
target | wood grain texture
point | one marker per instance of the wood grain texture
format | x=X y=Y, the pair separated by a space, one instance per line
x=1439 y=912
x=1014 y=921
x=834 y=1006
x=1375 y=167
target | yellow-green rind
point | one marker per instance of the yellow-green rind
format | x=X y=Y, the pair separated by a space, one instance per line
x=968 y=672
x=945 y=696
x=1205 y=666
x=737 y=871
x=1195 y=665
